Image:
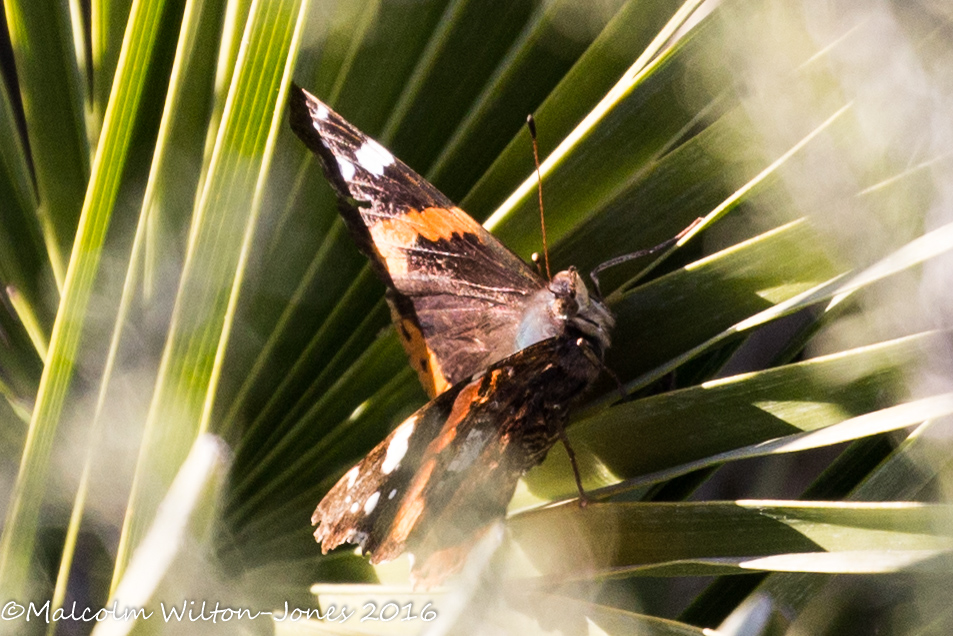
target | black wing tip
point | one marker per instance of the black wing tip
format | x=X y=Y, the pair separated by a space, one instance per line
x=301 y=106
x=299 y=116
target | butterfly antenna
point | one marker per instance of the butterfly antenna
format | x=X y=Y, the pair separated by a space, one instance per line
x=531 y=124
x=618 y=260
x=538 y=263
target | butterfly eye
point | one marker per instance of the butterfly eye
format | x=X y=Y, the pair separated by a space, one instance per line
x=566 y=306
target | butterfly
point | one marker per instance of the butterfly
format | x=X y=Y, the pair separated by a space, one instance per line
x=501 y=352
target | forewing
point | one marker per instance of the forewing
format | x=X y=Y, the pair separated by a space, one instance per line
x=457 y=295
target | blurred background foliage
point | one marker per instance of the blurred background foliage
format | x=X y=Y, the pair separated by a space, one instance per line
x=192 y=350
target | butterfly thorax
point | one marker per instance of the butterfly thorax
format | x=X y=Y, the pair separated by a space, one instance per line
x=564 y=308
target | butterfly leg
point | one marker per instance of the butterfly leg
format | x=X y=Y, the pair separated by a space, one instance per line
x=596 y=360
x=618 y=383
x=583 y=499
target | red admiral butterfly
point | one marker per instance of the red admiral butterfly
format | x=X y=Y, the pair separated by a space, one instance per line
x=501 y=352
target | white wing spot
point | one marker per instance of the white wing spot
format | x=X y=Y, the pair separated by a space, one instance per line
x=352 y=477
x=392 y=493
x=322 y=112
x=354 y=507
x=347 y=168
x=373 y=157
x=371 y=503
x=398 y=446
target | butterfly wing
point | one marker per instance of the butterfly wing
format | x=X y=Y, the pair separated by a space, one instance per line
x=457 y=295
x=361 y=506
x=448 y=472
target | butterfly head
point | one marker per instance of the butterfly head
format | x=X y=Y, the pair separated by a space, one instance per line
x=565 y=308
x=573 y=304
